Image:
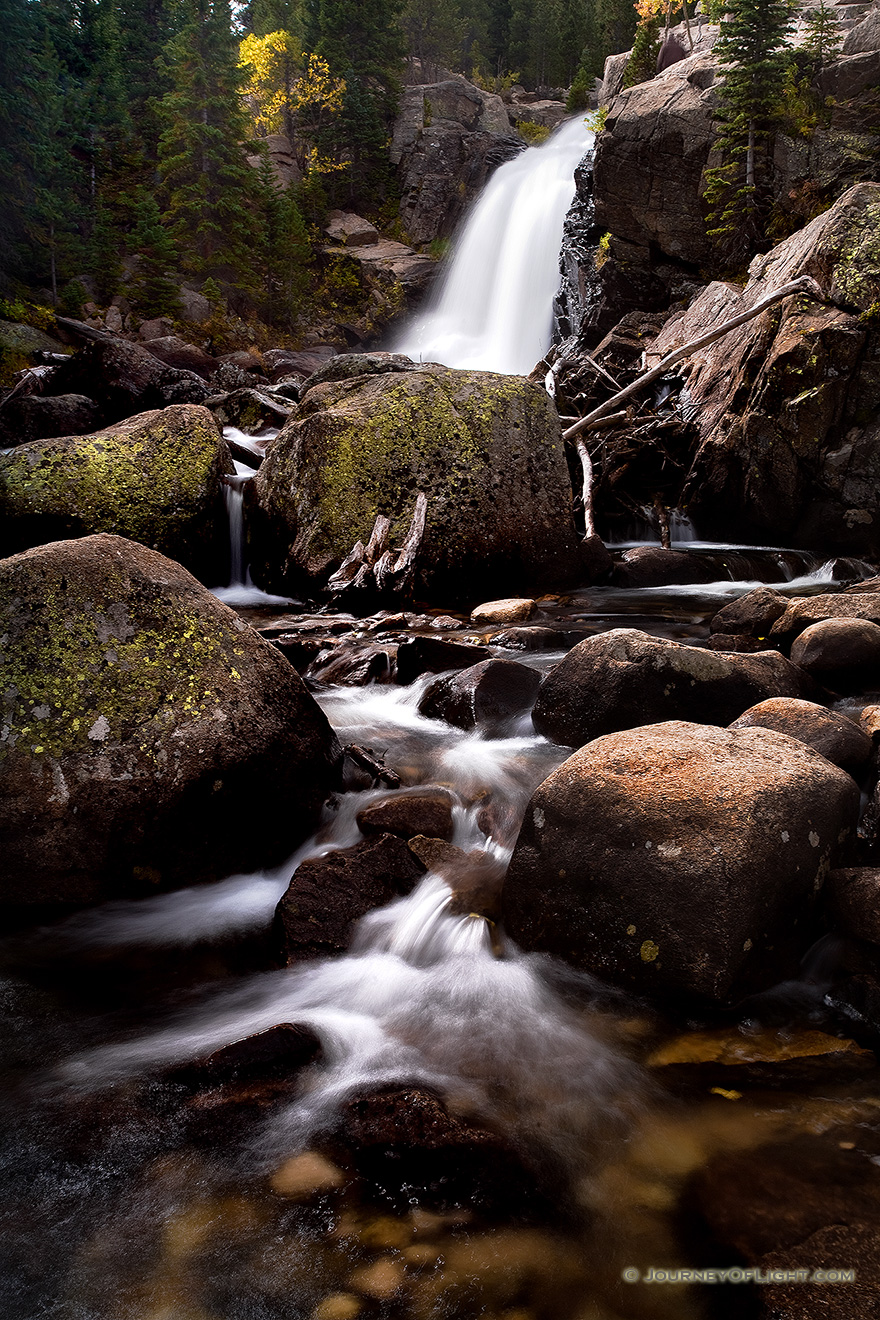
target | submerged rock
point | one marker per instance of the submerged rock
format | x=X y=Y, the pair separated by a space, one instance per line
x=425 y=811
x=145 y=729
x=623 y=678
x=679 y=858
x=487 y=451
x=155 y=478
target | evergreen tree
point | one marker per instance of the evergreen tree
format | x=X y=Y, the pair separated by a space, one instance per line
x=642 y=63
x=435 y=33
x=286 y=253
x=19 y=132
x=153 y=290
x=752 y=49
x=823 y=37
x=210 y=190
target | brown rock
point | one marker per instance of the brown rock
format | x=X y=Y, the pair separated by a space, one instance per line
x=842 y=653
x=40 y=416
x=623 y=678
x=761 y=1058
x=512 y=610
x=488 y=696
x=176 y=352
x=328 y=895
x=124 y=378
x=679 y=858
x=145 y=728
x=754 y=613
x=407 y=814
x=529 y=639
x=806 y=610
x=853 y=899
x=435 y=655
x=838 y=739
x=438 y=855
x=651 y=566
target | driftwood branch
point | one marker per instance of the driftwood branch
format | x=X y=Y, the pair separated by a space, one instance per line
x=805 y=284
x=663 y=521
x=587 y=494
x=375 y=567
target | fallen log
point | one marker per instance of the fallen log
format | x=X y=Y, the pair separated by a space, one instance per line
x=804 y=284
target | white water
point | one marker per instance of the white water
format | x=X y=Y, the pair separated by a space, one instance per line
x=495 y=307
x=241 y=590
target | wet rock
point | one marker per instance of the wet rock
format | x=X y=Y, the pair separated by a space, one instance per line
x=852 y=896
x=38 y=416
x=250 y=410
x=488 y=696
x=486 y=449
x=513 y=610
x=838 y=739
x=477 y=882
x=438 y=855
x=678 y=858
x=842 y=653
x=145 y=728
x=176 y=352
x=529 y=639
x=807 y=610
x=405 y=1141
x=124 y=379
x=355 y=666
x=435 y=655
x=651 y=566
x=279 y=1052
x=809 y=1203
x=620 y=679
x=155 y=478
x=409 y=814
x=763 y=1058
x=754 y=613
x=328 y=895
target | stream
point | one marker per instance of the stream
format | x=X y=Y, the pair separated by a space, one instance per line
x=128 y=1195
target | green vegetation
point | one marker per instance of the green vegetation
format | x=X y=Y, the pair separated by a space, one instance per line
x=755 y=58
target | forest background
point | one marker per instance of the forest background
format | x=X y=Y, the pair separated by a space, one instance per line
x=126 y=127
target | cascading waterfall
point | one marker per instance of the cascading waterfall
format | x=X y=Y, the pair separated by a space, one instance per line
x=495 y=307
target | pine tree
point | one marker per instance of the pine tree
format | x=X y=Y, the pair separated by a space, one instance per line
x=823 y=37
x=435 y=33
x=153 y=290
x=286 y=255
x=752 y=47
x=210 y=190
x=642 y=63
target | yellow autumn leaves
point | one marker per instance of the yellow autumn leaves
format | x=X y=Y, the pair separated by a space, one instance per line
x=292 y=93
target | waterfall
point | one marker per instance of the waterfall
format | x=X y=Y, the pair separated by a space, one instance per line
x=495 y=307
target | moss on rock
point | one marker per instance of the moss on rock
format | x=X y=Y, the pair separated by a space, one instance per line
x=155 y=478
x=486 y=449
x=140 y=722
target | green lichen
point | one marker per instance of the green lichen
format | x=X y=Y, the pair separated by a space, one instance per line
x=438 y=434
x=75 y=674
x=857 y=268
x=145 y=484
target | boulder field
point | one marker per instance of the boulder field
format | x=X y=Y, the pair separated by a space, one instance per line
x=150 y=738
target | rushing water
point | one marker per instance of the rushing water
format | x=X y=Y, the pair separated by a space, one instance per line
x=494 y=310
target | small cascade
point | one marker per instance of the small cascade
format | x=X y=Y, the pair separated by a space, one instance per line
x=240 y=590
x=495 y=307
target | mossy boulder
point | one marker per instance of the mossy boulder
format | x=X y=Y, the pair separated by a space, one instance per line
x=156 y=478
x=148 y=737
x=487 y=451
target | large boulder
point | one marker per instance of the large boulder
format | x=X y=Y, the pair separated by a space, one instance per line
x=486 y=450
x=801 y=613
x=787 y=407
x=490 y=696
x=156 y=478
x=679 y=858
x=25 y=417
x=149 y=737
x=837 y=738
x=623 y=678
x=842 y=653
x=124 y=378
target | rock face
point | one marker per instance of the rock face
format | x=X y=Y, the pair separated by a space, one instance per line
x=145 y=729
x=156 y=478
x=486 y=449
x=649 y=162
x=674 y=857
x=785 y=408
x=619 y=679
x=449 y=138
x=125 y=378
